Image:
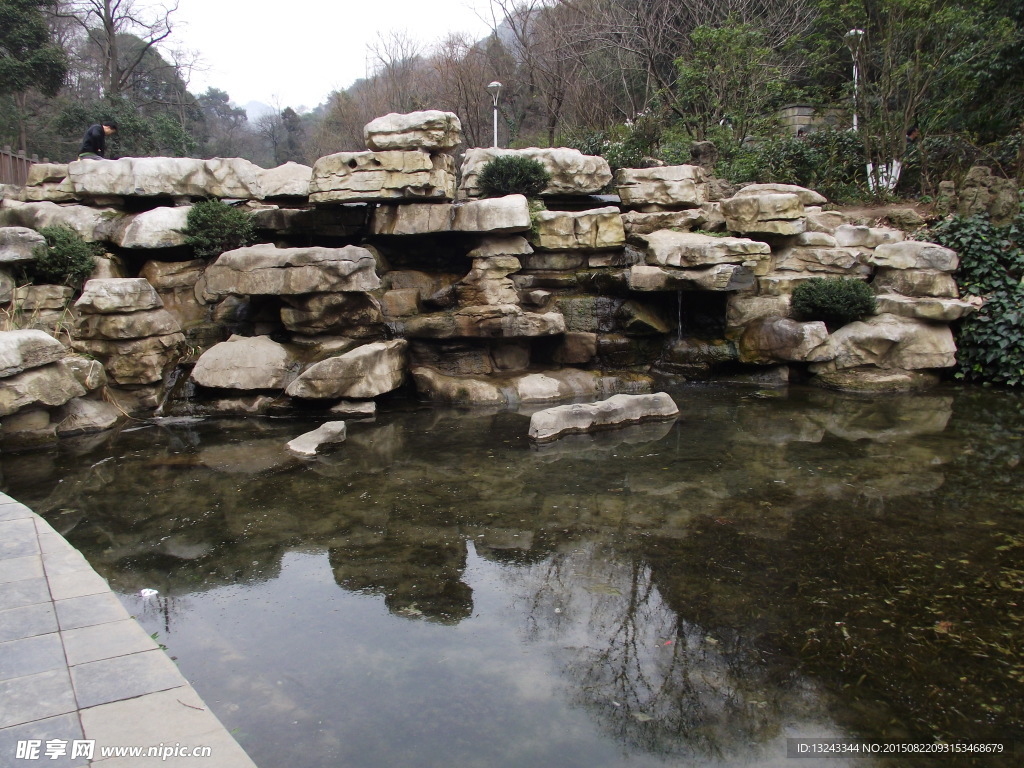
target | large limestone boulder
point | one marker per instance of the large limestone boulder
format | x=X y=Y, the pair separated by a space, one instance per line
x=489 y=321
x=431 y=130
x=166 y=177
x=743 y=309
x=309 y=444
x=807 y=258
x=92 y=224
x=130 y=325
x=807 y=196
x=616 y=411
x=247 y=363
x=496 y=215
x=352 y=177
x=352 y=314
x=572 y=172
x=670 y=186
x=981 y=192
x=916 y=282
x=134 y=361
x=666 y=248
x=288 y=180
x=48 y=182
x=929 y=308
x=913 y=254
x=267 y=270
x=158 y=228
x=888 y=341
x=7 y=286
x=24 y=349
x=488 y=282
x=18 y=245
x=175 y=282
x=850 y=235
x=366 y=371
x=42 y=298
x=81 y=416
x=595 y=229
x=48 y=385
x=499 y=215
x=645 y=222
x=781 y=340
x=774 y=213
x=720 y=277
x=117 y=295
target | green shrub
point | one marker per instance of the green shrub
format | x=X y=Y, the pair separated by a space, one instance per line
x=990 y=342
x=834 y=301
x=213 y=227
x=66 y=259
x=513 y=175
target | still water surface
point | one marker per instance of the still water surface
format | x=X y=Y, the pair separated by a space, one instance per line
x=437 y=592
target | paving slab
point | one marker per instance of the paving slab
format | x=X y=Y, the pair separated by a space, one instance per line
x=36 y=697
x=31 y=655
x=28 y=621
x=106 y=641
x=63 y=728
x=78 y=672
x=17 y=594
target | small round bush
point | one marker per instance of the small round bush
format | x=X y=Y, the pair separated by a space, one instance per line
x=213 y=227
x=834 y=301
x=66 y=258
x=513 y=175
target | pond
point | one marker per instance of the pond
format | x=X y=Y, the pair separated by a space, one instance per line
x=438 y=592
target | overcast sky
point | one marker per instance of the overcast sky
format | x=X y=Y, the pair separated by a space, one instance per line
x=295 y=52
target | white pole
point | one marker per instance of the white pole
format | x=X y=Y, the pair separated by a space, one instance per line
x=494 y=89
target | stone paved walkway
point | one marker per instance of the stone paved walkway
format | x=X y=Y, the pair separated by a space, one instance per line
x=75 y=667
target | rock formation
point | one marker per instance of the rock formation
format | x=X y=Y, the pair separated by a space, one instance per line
x=372 y=273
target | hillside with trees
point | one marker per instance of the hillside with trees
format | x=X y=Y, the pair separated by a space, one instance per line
x=633 y=80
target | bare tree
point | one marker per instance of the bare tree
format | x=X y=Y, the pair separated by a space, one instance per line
x=108 y=23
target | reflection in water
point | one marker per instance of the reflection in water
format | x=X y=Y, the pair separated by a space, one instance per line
x=437 y=591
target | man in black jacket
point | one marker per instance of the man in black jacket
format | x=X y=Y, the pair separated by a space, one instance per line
x=94 y=143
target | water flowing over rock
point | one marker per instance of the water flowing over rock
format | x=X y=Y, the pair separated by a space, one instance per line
x=267 y=270
x=618 y=410
x=307 y=445
x=432 y=130
x=366 y=371
x=572 y=172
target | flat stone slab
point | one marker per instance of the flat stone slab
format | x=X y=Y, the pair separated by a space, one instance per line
x=309 y=444
x=572 y=172
x=25 y=349
x=267 y=270
x=75 y=667
x=166 y=177
x=618 y=410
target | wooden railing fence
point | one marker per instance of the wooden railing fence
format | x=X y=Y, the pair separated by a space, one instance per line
x=14 y=166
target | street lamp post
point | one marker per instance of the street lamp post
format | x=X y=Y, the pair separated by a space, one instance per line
x=853 y=40
x=494 y=89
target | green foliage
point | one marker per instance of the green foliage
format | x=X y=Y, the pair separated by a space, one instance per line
x=835 y=301
x=730 y=75
x=213 y=227
x=513 y=175
x=140 y=133
x=28 y=57
x=991 y=341
x=829 y=161
x=66 y=259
